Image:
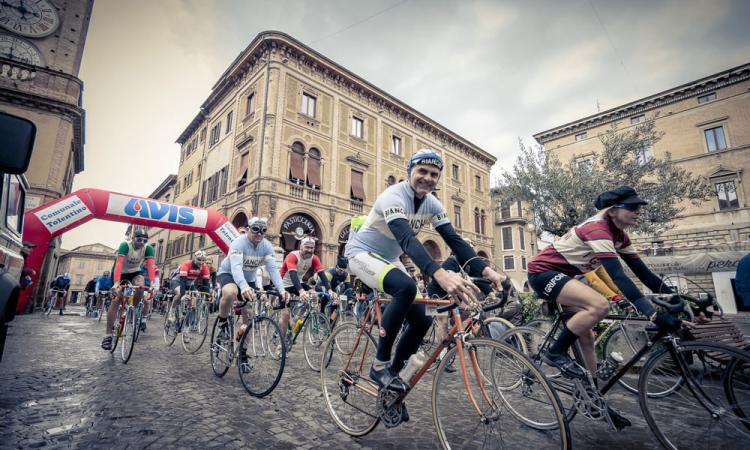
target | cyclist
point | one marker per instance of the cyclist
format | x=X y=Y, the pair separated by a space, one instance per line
x=130 y=256
x=596 y=242
x=389 y=231
x=103 y=283
x=62 y=284
x=337 y=276
x=296 y=265
x=246 y=253
x=89 y=292
x=193 y=274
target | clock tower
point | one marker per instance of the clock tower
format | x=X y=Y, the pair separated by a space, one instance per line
x=41 y=46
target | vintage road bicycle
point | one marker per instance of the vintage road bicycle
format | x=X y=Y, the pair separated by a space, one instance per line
x=52 y=300
x=106 y=302
x=478 y=406
x=189 y=318
x=260 y=352
x=306 y=320
x=127 y=327
x=705 y=387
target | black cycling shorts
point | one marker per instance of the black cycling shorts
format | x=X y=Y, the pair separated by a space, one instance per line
x=548 y=285
x=226 y=278
x=129 y=276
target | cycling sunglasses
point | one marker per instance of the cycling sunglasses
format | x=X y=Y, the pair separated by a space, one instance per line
x=629 y=206
x=143 y=240
x=258 y=230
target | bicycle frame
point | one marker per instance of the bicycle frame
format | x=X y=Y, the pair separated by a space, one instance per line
x=456 y=334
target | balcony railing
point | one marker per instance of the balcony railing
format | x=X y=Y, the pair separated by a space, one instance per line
x=298 y=191
x=356 y=206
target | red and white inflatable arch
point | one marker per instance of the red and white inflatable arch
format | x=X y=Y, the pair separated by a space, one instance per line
x=44 y=223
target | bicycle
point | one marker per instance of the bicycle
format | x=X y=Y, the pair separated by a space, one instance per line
x=260 y=343
x=106 y=301
x=312 y=324
x=173 y=318
x=681 y=381
x=128 y=325
x=486 y=378
x=52 y=301
x=195 y=323
x=345 y=302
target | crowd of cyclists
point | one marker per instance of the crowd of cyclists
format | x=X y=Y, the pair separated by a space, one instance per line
x=374 y=254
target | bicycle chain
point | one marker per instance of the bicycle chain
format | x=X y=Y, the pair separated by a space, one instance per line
x=590 y=403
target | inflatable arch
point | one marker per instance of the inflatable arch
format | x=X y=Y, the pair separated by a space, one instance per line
x=48 y=221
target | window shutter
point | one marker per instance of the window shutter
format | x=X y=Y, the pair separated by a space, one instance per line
x=358 y=190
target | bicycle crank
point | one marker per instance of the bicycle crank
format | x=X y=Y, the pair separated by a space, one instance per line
x=590 y=403
x=391 y=410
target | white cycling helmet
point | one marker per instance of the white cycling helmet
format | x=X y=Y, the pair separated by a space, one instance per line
x=307 y=241
x=200 y=255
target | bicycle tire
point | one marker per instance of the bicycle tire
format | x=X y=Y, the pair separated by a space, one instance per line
x=494 y=428
x=222 y=353
x=337 y=389
x=200 y=322
x=711 y=369
x=316 y=333
x=116 y=331
x=50 y=305
x=103 y=310
x=254 y=341
x=130 y=331
x=169 y=331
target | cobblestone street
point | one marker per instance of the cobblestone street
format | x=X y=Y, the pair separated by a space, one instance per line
x=60 y=389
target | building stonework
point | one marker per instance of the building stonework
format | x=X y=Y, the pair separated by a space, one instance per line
x=84 y=263
x=39 y=65
x=706 y=130
x=290 y=135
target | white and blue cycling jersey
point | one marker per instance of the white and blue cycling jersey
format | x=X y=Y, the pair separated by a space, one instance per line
x=244 y=259
x=396 y=202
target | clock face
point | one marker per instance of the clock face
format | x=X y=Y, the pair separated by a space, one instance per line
x=32 y=18
x=18 y=49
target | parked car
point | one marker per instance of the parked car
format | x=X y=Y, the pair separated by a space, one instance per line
x=16 y=144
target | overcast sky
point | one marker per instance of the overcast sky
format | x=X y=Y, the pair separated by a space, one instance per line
x=491 y=71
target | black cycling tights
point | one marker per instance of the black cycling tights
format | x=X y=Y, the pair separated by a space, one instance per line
x=403 y=290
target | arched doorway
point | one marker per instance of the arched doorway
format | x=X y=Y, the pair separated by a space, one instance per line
x=239 y=220
x=297 y=226
x=433 y=249
x=343 y=237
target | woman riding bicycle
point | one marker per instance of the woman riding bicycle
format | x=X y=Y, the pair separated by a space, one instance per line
x=596 y=242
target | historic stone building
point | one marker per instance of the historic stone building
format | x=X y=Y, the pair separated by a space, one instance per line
x=84 y=263
x=41 y=45
x=515 y=241
x=706 y=126
x=288 y=134
x=159 y=237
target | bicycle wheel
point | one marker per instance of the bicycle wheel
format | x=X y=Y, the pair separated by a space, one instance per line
x=507 y=418
x=532 y=339
x=348 y=392
x=169 y=332
x=710 y=403
x=260 y=370
x=129 y=331
x=195 y=329
x=317 y=330
x=222 y=347
x=103 y=310
x=627 y=339
x=50 y=305
x=117 y=330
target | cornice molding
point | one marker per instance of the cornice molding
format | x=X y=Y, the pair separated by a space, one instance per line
x=679 y=93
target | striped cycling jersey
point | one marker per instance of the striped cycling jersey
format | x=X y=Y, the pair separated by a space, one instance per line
x=582 y=248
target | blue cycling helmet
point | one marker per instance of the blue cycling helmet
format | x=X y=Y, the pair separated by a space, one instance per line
x=342 y=262
x=425 y=156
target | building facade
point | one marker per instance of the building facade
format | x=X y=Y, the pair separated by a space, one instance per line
x=515 y=241
x=84 y=263
x=41 y=48
x=706 y=129
x=290 y=135
x=159 y=237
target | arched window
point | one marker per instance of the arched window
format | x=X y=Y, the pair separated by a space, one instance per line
x=390 y=181
x=483 y=222
x=297 y=163
x=313 y=169
x=477 y=224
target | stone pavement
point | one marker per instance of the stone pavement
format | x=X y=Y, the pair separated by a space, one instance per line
x=59 y=389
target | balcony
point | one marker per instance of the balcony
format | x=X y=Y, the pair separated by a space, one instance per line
x=302 y=192
x=506 y=216
x=356 y=206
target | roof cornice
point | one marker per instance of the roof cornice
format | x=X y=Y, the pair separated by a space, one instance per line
x=673 y=95
x=165 y=185
x=270 y=43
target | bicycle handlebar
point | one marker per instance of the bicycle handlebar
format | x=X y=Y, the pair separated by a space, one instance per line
x=674 y=304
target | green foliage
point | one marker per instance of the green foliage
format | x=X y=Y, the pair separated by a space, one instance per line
x=562 y=195
x=531 y=306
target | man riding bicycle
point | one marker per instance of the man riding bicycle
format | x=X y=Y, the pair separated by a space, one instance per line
x=296 y=265
x=130 y=256
x=193 y=274
x=246 y=253
x=336 y=277
x=596 y=242
x=103 y=283
x=390 y=230
x=61 y=283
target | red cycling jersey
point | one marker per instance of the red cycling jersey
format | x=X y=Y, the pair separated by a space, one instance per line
x=187 y=269
x=294 y=261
